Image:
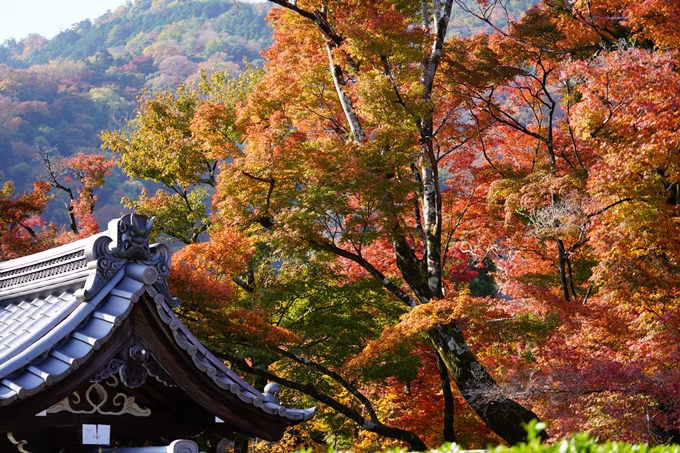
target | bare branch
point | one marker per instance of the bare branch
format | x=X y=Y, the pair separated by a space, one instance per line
x=56 y=169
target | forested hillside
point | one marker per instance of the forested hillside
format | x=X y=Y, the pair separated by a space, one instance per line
x=61 y=93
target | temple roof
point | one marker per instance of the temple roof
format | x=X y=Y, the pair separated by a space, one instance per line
x=60 y=307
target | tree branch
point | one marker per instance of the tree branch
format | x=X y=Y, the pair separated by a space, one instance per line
x=608 y=207
x=386 y=282
x=309 y=389
x=336 y=377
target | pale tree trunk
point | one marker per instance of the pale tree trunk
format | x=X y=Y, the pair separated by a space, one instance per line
x=345 y=101
x=503 y=415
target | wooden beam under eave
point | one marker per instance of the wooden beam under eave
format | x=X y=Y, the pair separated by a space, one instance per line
x=245 y=418
x=66 y=428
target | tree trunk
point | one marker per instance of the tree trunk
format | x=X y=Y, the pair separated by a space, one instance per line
x=241 y=444
x=562 y=264
x=503 y=415
x=448 y=428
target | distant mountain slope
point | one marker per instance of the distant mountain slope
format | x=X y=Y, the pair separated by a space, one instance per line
x=463 y=24
x=62 y=92
x=137 y=38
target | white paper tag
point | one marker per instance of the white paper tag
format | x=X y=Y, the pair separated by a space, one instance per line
x=96 y=434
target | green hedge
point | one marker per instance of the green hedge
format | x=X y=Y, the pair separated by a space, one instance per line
x=578 y=443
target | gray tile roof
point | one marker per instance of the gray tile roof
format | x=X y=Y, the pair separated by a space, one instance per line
x=43 y=340
x=57 y=308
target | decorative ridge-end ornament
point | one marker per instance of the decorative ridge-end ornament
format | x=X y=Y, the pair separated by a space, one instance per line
x=102 y=265
x=130 y=236
x=126 y=243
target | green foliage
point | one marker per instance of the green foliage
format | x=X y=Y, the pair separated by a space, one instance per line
x=332 y=321
x=179 y=216
x=577 y=443
x=244 y=22
x=169 y=142
x=527 y=327
x=483 y=284
x=540 y=279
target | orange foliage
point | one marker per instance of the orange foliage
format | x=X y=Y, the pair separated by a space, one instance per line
x=656 y=20
x=20 y=223
x=90 y=170
x=418 y=405
x=213 y=126
x=201 y=273
x=201 y=276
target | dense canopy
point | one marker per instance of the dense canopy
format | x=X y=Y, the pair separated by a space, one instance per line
x=436 y=236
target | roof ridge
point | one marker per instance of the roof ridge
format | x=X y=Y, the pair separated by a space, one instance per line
x=223 y=376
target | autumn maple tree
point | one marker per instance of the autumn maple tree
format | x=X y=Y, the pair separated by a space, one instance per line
x=576 y=106
x=350 y=134
x=83 y=172
x=179 y=139
x=22 y=229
